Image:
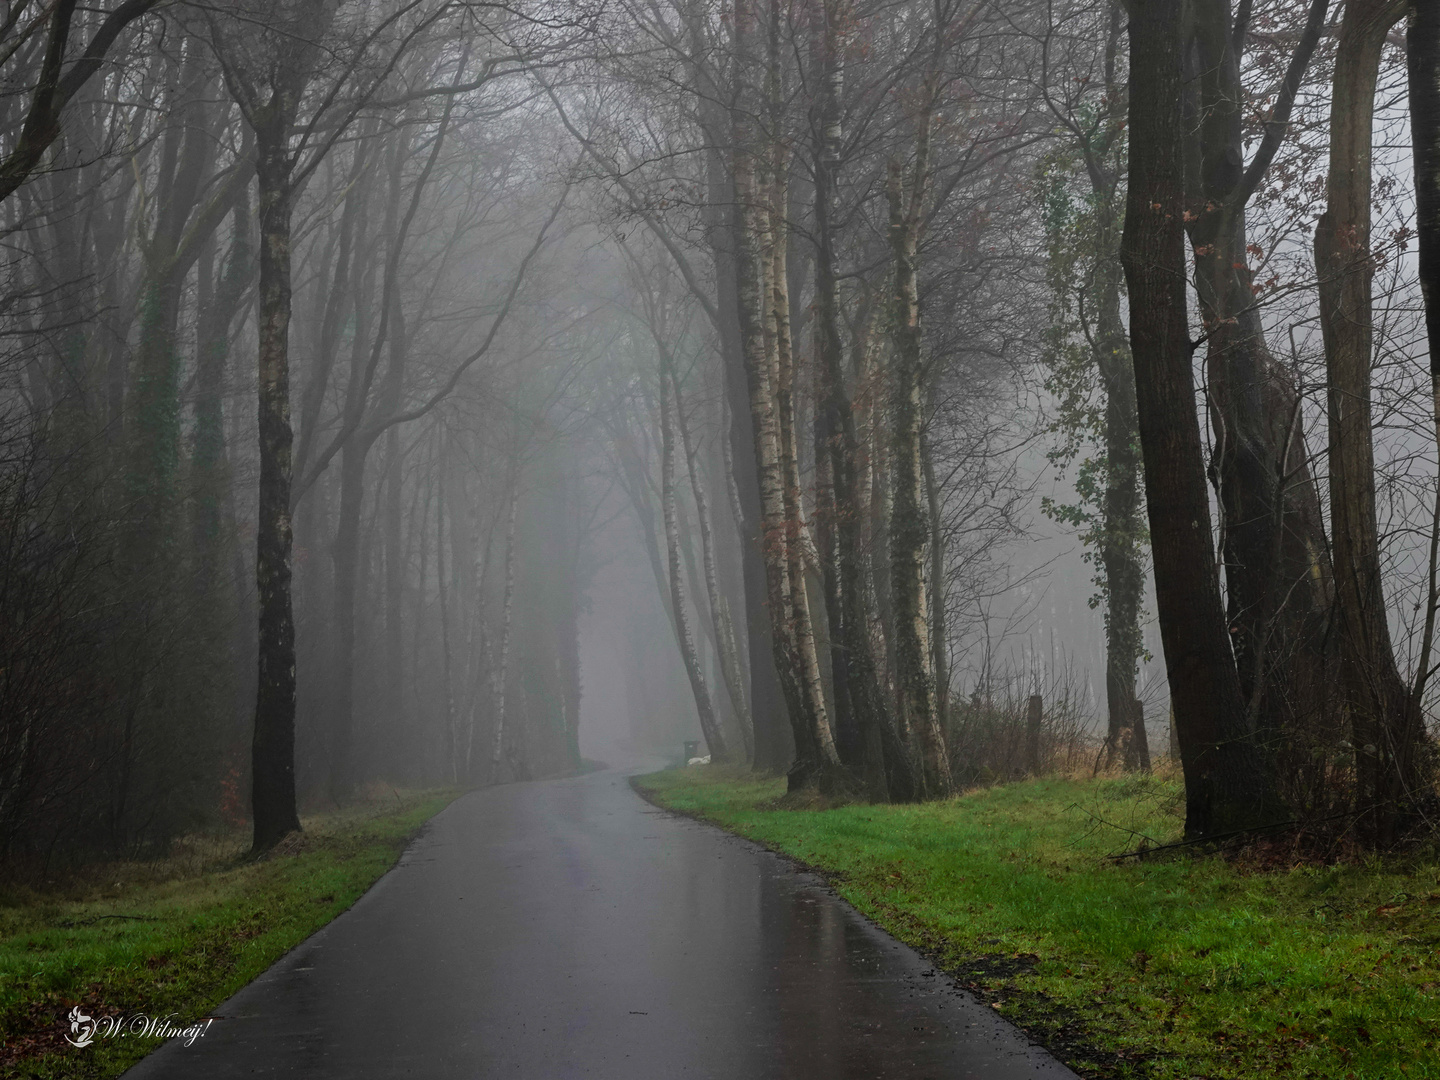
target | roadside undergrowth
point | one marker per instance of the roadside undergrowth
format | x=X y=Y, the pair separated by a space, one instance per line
x=177 y=936
x=1170 y=968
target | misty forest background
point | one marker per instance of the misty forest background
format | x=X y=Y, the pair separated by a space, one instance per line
x=386 y=384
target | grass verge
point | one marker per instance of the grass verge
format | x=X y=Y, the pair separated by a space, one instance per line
x=1176 y=968
x=180 y=935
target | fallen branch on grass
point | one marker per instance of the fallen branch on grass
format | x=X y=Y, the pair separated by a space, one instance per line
x=1101 y=821
x=96 y=918
x=1238 y=834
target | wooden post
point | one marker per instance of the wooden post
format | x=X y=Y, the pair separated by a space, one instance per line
x=1137 y=749
x=1032 y=733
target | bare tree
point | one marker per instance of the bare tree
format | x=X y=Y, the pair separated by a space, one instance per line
x=54 y=85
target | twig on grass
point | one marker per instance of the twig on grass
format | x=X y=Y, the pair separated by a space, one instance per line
x=1101 y=821
x=1253 y=831
x=96 y=918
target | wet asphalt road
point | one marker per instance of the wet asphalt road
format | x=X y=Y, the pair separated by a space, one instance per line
x=568 y=929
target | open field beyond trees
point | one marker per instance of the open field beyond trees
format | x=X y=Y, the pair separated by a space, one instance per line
x=1174 y=966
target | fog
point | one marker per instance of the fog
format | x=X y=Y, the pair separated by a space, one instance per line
x=430 y=393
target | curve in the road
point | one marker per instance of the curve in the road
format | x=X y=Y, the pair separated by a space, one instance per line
x=567 y=929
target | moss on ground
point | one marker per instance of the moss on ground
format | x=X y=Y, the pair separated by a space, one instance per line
x=1175 y=967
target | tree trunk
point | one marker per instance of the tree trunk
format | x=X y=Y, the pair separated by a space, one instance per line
x=767 y=705
x=1387 y=725
x=354 y=456
x=867 y=739
x=502 y=666
x=939 y=624
x=1228 y=783
x=909 y=525
x=447 y=691
x=392 y=528
x=477 y=648
x=638 y=484
x=346 y=554
x=709 y=725
x=1423 y=53
x=878 y=508
x=568 y=621
x=212 y=353
x=1121 y=528
x=719 y=609
x=1273 y=541
x=795 y=535
x=153 y=428
x=872 y=505
x=751 y=305
x=848 y=743
x=273 y=749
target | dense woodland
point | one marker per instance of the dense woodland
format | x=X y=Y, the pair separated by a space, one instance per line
x=336 y=332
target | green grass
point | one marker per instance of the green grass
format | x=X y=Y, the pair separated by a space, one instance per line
x=178 y=935
x=1175 y=967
